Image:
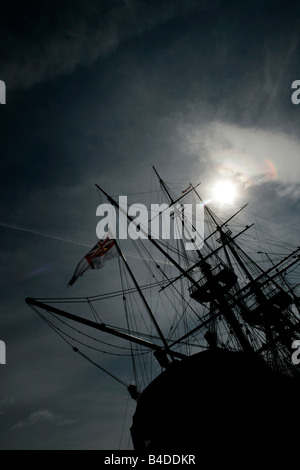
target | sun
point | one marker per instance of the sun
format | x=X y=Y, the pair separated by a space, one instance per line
x=224 y=192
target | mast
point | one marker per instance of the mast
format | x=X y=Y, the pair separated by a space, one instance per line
x=220 y=299
x=219 y=295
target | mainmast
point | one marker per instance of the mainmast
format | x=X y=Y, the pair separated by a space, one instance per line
x=213 y=285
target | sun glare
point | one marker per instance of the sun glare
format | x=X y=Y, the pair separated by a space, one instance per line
x=224 y=192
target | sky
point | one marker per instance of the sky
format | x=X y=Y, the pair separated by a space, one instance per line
x=98 y=92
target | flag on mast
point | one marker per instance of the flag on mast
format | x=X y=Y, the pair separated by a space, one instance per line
x=95 y=259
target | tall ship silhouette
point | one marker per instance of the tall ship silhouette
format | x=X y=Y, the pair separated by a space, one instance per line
x=207 y=337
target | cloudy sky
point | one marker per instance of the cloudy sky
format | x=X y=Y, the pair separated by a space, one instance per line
x=97 y=92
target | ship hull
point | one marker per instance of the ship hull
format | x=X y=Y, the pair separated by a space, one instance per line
x=215 y=400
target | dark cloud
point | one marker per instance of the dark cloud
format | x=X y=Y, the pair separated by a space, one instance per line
x=49 y=39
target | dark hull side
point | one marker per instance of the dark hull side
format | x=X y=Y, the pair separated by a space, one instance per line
x=217 y=401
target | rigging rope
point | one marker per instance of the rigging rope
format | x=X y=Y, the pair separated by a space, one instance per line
x=101 y=368
x=61 y=333
x=127 y=320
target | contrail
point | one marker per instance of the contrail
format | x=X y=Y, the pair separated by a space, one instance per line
x=47 y=235
x=66 y=240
